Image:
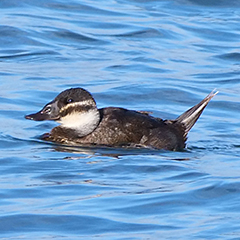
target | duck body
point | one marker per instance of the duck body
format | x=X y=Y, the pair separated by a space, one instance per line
x=82 y=123
x=121 y=127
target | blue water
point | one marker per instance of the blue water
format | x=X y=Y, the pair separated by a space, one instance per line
x=158 y=56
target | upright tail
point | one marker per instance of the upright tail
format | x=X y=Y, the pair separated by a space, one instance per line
x=189 y=117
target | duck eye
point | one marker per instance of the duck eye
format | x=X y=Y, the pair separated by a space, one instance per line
x=47 y=110
x=69 y=100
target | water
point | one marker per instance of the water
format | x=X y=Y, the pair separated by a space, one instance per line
x=158 y=56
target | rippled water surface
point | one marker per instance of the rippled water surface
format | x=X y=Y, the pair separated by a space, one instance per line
x=158 y=56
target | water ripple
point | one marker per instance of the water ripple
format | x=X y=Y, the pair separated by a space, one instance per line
x=157 y=56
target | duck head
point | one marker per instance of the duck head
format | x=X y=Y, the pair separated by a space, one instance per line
x=73 y=108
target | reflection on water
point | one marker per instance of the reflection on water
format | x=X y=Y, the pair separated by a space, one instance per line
x=157 y=56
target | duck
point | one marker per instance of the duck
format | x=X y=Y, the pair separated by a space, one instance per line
x=83 y=123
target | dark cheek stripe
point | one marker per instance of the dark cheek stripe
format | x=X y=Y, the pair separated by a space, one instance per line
x=80 y=109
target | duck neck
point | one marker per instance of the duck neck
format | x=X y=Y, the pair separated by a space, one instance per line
x=83 y=123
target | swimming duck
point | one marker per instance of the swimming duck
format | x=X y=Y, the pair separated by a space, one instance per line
x=82 y=123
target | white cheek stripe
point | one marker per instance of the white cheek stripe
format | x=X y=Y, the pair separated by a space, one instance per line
x=74 y=104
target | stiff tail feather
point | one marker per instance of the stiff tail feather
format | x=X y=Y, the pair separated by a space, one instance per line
x=189 y=117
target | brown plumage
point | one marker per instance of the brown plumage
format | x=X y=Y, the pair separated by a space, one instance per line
x=82 y=123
